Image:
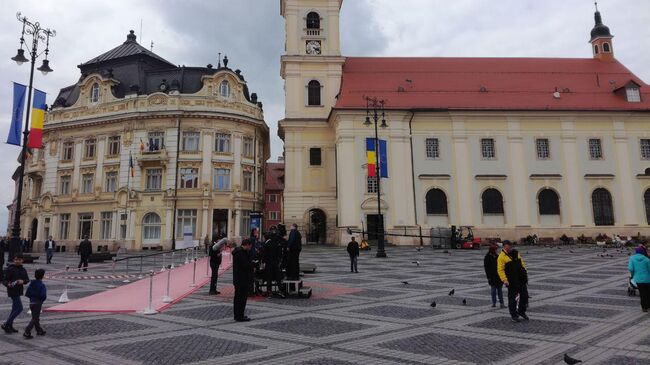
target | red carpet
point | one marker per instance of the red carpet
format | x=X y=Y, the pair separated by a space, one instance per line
x=134 y=297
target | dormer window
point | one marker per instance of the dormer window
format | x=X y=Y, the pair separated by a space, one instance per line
x=633 y=94
x=224 y=89
x=94 y=93
x=313 y=20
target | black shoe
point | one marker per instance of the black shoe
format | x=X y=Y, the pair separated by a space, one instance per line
x=525 y=317
x=6 y=329
x=42 y=333
x=212 y=292
x=356 y=272
x=245 y=319
x=515 y=319
x=28 y=335
x=13 y=330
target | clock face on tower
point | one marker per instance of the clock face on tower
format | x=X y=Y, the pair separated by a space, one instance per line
x=313 y=47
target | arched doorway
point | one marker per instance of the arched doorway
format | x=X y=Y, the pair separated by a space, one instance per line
x=646 y=199
x=151 y=229
x=601 y=201
x=317 y=227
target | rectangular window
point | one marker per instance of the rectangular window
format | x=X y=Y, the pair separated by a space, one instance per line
x=68 y=151
x=191 y=141
x=111 y=182
x=645 y=149
x=185 y=218
x=595 y=149
x=113 y=145
x=87 y=183
x=122 y=231
x=154 y=179
x=245 y=228
x=189 y=178
x=487 y=148
x=433 y=150
x=221 y=179
x=247 y=147
x=222 y=143
x=543 y=152
x=274 y=216
x=89 y=148
x=247 y=184
x=64 y=185
x=315 y=158
x=64 y=227
x=156 y=141
x=85 y=225
x=273 y=198
x=371 y=184
x=633 y=95
x=107 y=225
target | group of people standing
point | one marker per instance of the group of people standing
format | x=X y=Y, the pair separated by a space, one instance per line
x=508 y=268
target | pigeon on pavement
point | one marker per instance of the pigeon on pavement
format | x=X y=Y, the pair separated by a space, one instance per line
x=571 y=361
x=417 y=263
x=464 y=301
x=452 y=292
x=405 y=282
x=433 y=304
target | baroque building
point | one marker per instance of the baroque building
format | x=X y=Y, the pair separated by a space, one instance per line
x=140 y=152
x=508 y=146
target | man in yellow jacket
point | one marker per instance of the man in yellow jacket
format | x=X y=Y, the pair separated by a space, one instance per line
x=512 y=271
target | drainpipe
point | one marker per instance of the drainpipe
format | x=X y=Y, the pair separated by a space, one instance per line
x=178 y=152
x=415 y=204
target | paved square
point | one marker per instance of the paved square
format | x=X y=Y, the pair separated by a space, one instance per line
x=579 y=306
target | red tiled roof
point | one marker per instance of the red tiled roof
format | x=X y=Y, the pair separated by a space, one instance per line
x=274 y=171
x=507 y=84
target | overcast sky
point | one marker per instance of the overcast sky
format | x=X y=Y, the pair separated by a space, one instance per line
x=251 y=33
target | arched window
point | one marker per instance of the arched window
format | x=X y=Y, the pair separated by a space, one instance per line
x=549 y=202
x=595 y=49
x=601 y=201
x=314 y=93
x=492 y=202
x=151 y=228
x=224 y=89
x=646 y=198
x=436 y=202
x=94 y=93
x=606 y=47
x=313 y=20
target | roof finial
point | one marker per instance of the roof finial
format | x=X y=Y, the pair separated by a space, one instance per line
x=596 y=4
x=151 y=47
x=219 y=64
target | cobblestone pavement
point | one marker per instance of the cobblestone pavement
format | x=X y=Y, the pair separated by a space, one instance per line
x=579 y=306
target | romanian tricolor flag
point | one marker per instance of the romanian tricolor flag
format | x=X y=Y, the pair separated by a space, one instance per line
x=35 y=139
x=371 y=154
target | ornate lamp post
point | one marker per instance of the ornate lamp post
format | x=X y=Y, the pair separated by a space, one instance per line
x=375 y=107
x=38 y=34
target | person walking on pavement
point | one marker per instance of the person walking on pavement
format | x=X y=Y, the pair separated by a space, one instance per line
x=50 y=246
x=639 y=267
x=84 y=251
x=272 y=254
x=353 y=251
x=294 y=245
x=242 y=274
x=512 y=272
x=37 y=294
x=216 y=251
x=15 y=277
x=496 y=285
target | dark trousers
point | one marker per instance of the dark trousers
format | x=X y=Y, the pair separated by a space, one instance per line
x=353 y=263
x=239 y=302
x=512 y=300
x=83 y=261
x=50 y=253
x=272 y=274
x=16 y=309
x=293 y=267
x=644 y=293
x=497 y=291
x=214 y=267
x=36 y=318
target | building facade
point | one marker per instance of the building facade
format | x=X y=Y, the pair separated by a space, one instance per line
x=273 y=193
x=140 y=152
x=508 y=146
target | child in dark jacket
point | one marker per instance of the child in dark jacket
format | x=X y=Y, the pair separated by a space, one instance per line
x=15 y=277
x=37 y=293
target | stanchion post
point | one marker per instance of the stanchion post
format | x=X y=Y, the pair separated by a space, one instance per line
x=172 y=265
x=112 y=284
x=126 y=280
x=140 y=276
x=187 y=260
x=167 y=298
x=194 y=275
x=149 y=309
x=163 y=264
x=64 y=297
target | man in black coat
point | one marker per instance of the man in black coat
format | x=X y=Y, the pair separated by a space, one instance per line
x=517 y=286
x=294 y=245
x=353 y=251
x=15 y=277
x=242 y=275
x=271 y=255
x=215 y=252
x=84 y=251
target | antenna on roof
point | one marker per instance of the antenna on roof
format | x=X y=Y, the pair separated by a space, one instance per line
x=151 y=46
x=140 y=35
x=219 y=64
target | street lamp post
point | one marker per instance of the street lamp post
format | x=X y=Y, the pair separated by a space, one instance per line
x=375 y=107
x=39 y=34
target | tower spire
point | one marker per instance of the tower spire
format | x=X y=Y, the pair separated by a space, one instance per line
x=601 y=38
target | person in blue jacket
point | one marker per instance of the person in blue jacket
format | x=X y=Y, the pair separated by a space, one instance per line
x=639 y=266
x=37 y=294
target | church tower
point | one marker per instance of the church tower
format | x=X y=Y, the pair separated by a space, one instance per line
x=311 y=68
x=601 y=39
